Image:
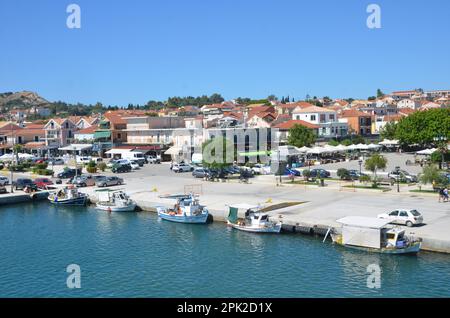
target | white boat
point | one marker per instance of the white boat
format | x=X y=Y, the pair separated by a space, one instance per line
x=254 y=220
x=67 y=195
x=114 y=201
x=373 y=235
x=187 y=210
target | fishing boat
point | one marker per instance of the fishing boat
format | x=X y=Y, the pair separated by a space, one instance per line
x=114 y=201
x=373 y=235
x=68 y=195
x=254 y=220
x=187 y=209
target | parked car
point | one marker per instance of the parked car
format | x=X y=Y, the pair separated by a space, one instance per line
x=408 y=217
x=402 y=176
x=153 y=159
x=3 y=189
x=182 y=167
x=320 y=173
x=42 y=183
x=22 y=183
x=200 y=172
x=56 y=161
x=134 y=165
x=83 y=159
x=355 y=174
x=120 y=168
x=109 y=181
x=84 y=181
x=261 y=169
x=112 y=162
x=69 y=173
x=294 y=172
x=3 y=181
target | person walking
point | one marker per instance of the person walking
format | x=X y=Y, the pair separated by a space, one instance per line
x=441 y=194
x=445 y=199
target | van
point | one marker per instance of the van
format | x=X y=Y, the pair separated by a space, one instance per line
x=135 y=156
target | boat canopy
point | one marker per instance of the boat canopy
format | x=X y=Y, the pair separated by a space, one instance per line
x=362 y=221
x=244 y=206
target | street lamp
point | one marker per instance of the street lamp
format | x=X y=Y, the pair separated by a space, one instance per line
x=397 y=171
x=441 y=141
x=360 y=164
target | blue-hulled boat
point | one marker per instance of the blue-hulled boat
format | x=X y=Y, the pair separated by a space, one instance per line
x=68 y=196
x=186 y=210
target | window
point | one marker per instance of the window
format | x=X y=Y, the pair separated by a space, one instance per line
x=322 y=118
x=119 y=136
x=393 y=213
x=313 y=117
x=298 y=117
x=404 y=213
x=332 y=117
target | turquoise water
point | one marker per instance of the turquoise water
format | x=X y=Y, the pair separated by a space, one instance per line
x=138 y=255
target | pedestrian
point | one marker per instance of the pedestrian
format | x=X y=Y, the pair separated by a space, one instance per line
x=445 y=195
x=441 y=194
x=171 y=165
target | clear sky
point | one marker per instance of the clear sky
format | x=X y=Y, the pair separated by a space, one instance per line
x=133 y=51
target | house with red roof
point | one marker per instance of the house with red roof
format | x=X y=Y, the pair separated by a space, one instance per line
x=358 y=121
x=326 y=119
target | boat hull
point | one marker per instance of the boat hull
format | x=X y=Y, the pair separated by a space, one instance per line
x=180 y=218
x=273 y=229
x=82 y=200
x=414 y=248
x=110 y=208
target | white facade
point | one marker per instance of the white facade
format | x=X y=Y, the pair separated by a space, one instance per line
x=327 y=120
x=408 y=103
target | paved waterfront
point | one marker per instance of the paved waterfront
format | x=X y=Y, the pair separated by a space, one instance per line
x=323 y=205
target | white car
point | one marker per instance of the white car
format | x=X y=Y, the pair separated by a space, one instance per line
x=261 y=169
x=83 y=160
x=408 y=217
x=134 y=165
x=112 y=162
x=4 y=181
x=182 y=167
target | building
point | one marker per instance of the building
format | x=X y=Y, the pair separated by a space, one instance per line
x=59 y=132
x=408 y=103
x=326 y=119
x=284 y=127
x=359 y=122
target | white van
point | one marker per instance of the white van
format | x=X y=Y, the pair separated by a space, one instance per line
x=134 y=156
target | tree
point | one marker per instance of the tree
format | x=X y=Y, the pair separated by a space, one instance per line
x=300 y=136
x=218 y=153
x=431 y=174
x=272 y=98
x=389 y=130
x=374 y=163
x=379 y=93
x=343 y=174
x=371 y=98
x=423 y=127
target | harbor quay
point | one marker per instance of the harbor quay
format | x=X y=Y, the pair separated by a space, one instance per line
x=302 y=209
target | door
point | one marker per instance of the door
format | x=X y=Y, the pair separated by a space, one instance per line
x=403 y=217
x=393 y=216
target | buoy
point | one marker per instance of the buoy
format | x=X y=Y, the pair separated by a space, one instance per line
x=269 y=200
x=154 y=190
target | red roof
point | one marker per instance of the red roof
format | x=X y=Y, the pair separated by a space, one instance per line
x=353 y=113
x=89 y=130
x=290 y=123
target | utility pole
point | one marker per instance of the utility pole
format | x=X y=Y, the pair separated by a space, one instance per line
x=13 y=154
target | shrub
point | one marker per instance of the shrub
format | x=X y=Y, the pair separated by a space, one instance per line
x=306 y=173
x=43 y=172
x=102 y=166
x=91 y=169
x=364 y=178
x=343 y=173
x=18 y=168
x=41 y=166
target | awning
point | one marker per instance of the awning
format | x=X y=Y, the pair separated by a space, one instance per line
x=254 y=153
x=76 y=147
x=101 y=134
x=173 y=151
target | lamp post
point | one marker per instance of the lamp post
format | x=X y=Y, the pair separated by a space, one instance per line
x=279 y=164
x=397 y=171
x=441 y=141
x=360 y=166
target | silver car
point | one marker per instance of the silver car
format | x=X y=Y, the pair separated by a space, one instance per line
x=108 y=181
x=3 y=181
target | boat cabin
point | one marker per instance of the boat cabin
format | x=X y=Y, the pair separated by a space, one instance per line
x=370 y=232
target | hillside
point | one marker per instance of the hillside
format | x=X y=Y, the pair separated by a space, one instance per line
x=21 y=100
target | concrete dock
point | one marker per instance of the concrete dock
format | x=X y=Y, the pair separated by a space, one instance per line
x=321 y=207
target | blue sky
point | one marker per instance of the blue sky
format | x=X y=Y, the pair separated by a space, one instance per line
x=133 y=51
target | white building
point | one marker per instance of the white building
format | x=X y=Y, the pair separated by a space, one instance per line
x=326 y=119
x=408 y=103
